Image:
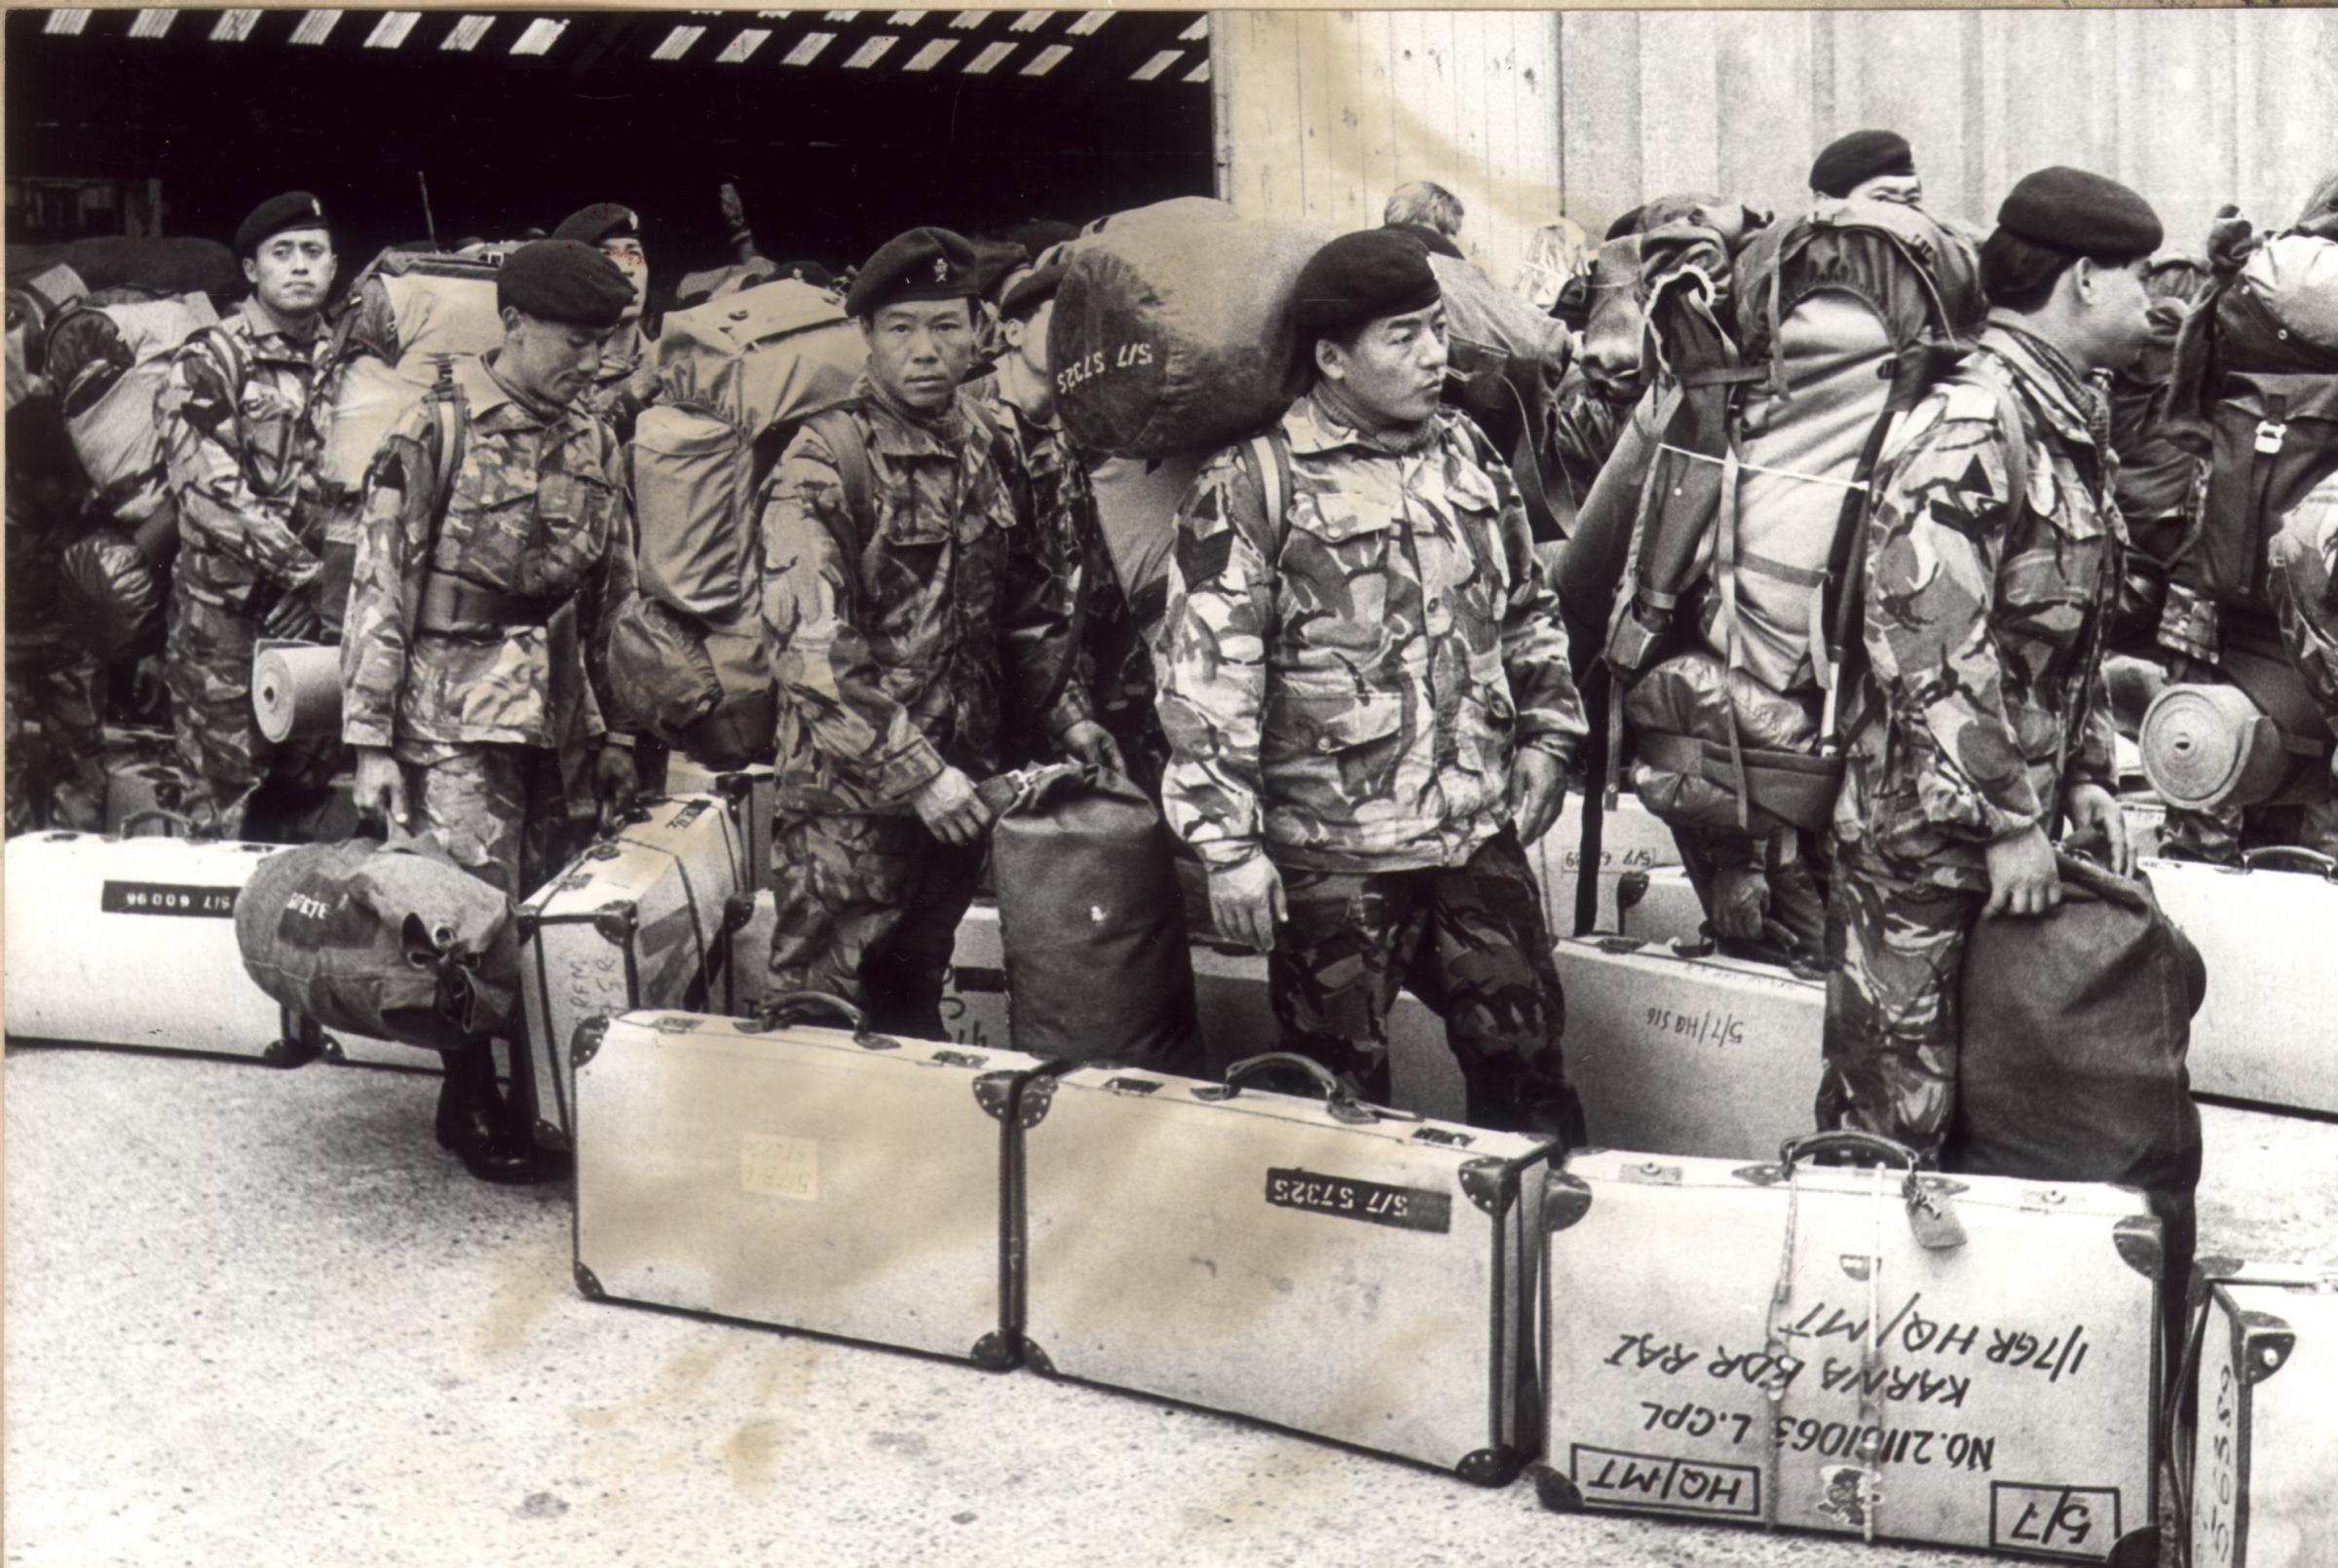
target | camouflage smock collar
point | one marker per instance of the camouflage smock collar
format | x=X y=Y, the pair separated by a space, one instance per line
x=899 y=430
x=274 y=340
x=1316 y=423
x=2062 y=398
x=488 y=392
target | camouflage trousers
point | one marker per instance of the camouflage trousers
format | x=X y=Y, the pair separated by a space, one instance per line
x=498 y=811
x=1468 y=940
x=61 y=783
x=1895 y=959
x=868 y=910
x=207 y=662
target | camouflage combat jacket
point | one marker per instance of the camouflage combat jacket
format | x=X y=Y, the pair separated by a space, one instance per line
x=244 y=416
x=1985 y=701
x=904 y=639
x=1347 y=685
x=1113 y=667
x=626 y=381
x=537 y=509
x=2304 y=579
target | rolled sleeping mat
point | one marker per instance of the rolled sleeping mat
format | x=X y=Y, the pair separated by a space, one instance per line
x=296 y=690
x=2209 y=746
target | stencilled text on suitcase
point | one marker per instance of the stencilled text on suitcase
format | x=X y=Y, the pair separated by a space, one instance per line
x=168 y=898
x=2069 y=1520
x=771 y=1166
x=1708 y=1027
x=1375 y=1203
x=1620 y=1479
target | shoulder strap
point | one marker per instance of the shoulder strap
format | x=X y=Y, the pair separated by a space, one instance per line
x=1270 y=453
x=850 y=450
x=450 y=430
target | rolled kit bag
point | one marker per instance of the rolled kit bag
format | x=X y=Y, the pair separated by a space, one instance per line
x=296 y=689
x=2209 y=746
x=392 y=939
x=1091 y=921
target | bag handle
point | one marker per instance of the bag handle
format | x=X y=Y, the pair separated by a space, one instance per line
x=1845 y=1140
x=1339 y=1098
x=178 y=819
x=791 y=1006
x=2310 y=860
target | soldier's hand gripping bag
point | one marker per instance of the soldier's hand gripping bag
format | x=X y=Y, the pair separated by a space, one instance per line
x=2076 y=1026
x=391 y=940
x=1092 y=922
x=1174 y=336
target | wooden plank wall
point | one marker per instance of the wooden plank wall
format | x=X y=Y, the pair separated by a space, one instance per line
x=1527 y=115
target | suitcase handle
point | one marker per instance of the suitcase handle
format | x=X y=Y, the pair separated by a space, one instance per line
x=793 y=1006
x=177 y=819
x=1340 y=1099
x=1845 y=1140
x=2304 y=859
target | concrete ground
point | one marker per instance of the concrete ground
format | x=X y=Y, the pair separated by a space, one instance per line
x=257 y=1318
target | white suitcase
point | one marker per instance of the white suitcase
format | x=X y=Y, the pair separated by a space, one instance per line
x=1632 y=838
x=1774 y=1344
x=2264 y=1445
x=642 y=920
x=1689 y=1055
x=752 y=794
x=1659 y=905
x=132 y=942
x=1305 y=1263
x=2267 y=1031
x=805 y=1176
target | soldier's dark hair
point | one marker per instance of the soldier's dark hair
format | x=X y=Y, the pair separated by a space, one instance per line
x=2019 y=274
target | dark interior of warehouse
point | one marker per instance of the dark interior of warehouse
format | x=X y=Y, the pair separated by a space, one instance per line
x=838 y=127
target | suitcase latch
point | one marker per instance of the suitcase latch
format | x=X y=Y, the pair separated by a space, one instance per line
x=1443 y=1139
x=958 y=1059
x=1650 y=1173
x=1131 y=1086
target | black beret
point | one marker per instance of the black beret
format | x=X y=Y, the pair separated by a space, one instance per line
x=294 y=210
x=1360 y=277
x=1861 y=156
x=924 y=264
x=1433 y=239
x=1027 y=291
x=1043 y=234
x=2085 y=215
x=603 y=220
x=563 y=281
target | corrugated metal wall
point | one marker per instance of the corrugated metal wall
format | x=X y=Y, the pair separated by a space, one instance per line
x=1530 y=114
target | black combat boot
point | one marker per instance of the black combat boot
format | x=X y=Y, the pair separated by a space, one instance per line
x=494 y=1143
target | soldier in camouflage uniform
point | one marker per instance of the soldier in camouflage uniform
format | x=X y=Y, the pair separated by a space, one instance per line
x=1367 y=704
x=626 y=381
x=469 y=681
x=53 y=682
x=1114 y=665
x=908 y=627
x=242 y=420
x=1983 y=719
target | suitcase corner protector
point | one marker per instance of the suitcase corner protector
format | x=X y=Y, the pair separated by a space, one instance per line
x=2137 y=1549
x=1567 y=1199
x=588 y=1285
x=1557 y=1491
x=1494 y=1467
x=2142 y=1244
x=586 y=1043
x=1030 y=1355
x=2265 y=1342
x=996 y=1352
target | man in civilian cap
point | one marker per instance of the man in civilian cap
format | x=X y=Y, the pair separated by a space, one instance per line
x=497 y=538
x=913 y=615
x=1875 y=166
x=1113 y=664
x=1981 y=724
x=626 y=381
x=242 y=416
x=1365 y=687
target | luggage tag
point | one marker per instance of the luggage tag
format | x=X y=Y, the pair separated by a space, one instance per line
x=1932 y=1215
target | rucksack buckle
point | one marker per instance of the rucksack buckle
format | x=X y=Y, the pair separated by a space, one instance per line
x=2271 y=433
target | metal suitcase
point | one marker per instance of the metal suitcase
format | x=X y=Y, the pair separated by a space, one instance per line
x=2264 y=1031
x=1680 y=1053
x=645 y=918
x=132 y=942
x=752 y=794
x=804 y=1177
x=1777 y=1344
x=2262 y=1445
x=1329 y=1268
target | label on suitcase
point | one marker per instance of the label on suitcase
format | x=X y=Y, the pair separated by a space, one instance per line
x=642 y=920
x=1680 y=1055
x=1352 y=1274
x=2265 y=1043
x=2261 y=1451
x=1778 y=1344
x=809 y=1176
x=132 y=942
x=753 y=795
